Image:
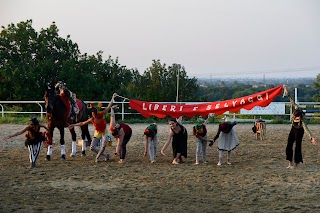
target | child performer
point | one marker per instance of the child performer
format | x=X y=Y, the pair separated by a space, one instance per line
x=151 y=134
x=122 y=132
x=200 y=131
x=34 y=139
x=99 y=122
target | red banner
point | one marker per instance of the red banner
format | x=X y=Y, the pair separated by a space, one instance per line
x=161 y=110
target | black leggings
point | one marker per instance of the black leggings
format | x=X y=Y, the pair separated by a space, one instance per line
x=124 y=145
x=295 y=135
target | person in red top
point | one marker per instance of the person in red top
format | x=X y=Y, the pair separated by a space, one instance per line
x=122 y=132
x=99 y=122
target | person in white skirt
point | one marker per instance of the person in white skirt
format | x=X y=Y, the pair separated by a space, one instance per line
x=228 y=140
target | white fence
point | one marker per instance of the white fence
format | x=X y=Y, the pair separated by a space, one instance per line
x=275 y=108
x=42 y=110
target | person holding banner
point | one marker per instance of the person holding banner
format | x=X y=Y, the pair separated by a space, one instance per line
x=228 y=140
x=298 y=128
x=179 y=137
x=122 y=132
x=200 y=131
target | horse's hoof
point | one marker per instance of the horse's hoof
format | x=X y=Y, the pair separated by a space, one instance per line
x=83 y=153
x=48 y=158
x=63 y=157
x=72 y=155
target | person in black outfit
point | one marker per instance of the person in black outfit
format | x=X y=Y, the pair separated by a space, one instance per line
x=33 y=140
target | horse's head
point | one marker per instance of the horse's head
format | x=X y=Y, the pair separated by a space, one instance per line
x=49 y=97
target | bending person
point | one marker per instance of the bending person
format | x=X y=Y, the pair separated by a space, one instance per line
x=34 y=139
x=200 y=131
x=122 y=132
x=228 y=140
x=99 y=122
x=151 y=136
x=179 y=137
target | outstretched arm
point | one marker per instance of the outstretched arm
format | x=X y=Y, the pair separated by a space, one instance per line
x=43 y=126
x=80 y=123
x=16 y=134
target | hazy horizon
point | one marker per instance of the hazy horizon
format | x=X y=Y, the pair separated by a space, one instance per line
x=209 y=38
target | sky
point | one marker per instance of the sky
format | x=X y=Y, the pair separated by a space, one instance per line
x=210 y=38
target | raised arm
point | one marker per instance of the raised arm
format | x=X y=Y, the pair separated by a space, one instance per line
x=106 y=110
x=207 y=120
x=179 y=120
x=112 y=117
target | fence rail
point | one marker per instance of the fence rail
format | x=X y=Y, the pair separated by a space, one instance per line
x=42 y=112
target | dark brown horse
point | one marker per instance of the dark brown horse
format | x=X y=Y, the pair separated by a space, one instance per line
x=57 y=117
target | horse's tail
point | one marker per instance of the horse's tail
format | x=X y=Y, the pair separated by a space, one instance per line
x=83 y=113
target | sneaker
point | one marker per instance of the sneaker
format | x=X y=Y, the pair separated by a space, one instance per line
x=219 y=163
x=229 y=163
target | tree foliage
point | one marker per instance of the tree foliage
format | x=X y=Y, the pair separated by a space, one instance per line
x=29 y=60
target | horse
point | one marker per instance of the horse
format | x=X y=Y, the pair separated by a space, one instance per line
x=57 y=117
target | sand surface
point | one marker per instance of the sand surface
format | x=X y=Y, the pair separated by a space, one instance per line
x=257 y=180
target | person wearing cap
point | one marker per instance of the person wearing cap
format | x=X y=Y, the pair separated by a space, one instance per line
x=99 y=122
x=228 y=140
x=122 y=132
x=33 y=140
x=200 y=131
x=151 y=136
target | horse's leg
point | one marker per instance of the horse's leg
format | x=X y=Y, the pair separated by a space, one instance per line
x=85 y=134
x=50 y=138
x=88 y=136
x=62 y=143
x=74 y=143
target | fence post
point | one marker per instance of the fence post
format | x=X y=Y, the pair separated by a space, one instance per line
x=2 y=110
x=122 y=110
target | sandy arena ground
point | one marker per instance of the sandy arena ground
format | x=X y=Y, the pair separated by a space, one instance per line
x=257 y=181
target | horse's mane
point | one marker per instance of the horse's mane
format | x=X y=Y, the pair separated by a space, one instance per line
x=56 y=107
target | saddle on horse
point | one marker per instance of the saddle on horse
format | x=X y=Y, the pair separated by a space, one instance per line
x=73 y=108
